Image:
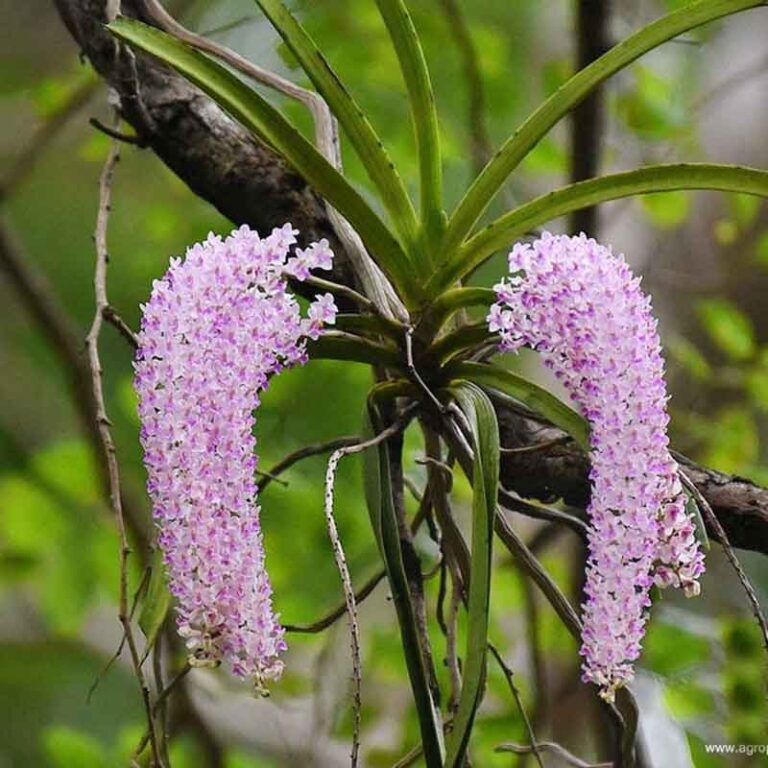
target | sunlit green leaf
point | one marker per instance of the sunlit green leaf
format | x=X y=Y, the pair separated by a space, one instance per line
x=16 y=565
x=741 y=639
x=725 y=232
x=744 y=208
x=66 y=747
x=555 y=73
x=671 y=648
x=653 y=109
x=667 y=210
x=756 y=382
x=241 y=760
x=701 y=756
x=728 y=327
x=549 y=156
x=686 y=699
x=55 y=94
x=733 y=443
x=688 y=356
x=761 y=249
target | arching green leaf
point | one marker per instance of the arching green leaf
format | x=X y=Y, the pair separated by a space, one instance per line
x=334 y=345
x=485 y=480
x=364 y=139
x=452 y=301
x=378 y=492
x=529 y=394
x=654 y=178
x=423 y=113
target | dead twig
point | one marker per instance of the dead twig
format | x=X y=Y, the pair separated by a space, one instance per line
x=360 y=595
x=119 y=650
x=349 y=598
x=331 y=618
x=555 y=748
x=714 y=523
x=125 y=330
x=103 y=423
x=160 y=701
x=113 y=133
x=509 y=675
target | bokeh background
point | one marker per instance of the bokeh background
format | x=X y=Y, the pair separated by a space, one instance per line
x=704 y=257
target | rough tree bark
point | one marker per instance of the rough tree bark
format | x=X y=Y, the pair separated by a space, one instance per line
x=244 y=180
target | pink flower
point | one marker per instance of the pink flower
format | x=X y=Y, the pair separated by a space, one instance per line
x=323 y=311
x=582 y=309
x=218 y=325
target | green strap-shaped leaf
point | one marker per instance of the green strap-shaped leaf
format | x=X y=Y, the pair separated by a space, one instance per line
x=370 y=324
x=485 y=480
x=531 y=395
x=464 y=338
x=256 y=114
x=568 y=96
x=451 y=301
x=378 y=492
x=654 y=178
x=364 y=139
x=333 y=345
x=423 y=114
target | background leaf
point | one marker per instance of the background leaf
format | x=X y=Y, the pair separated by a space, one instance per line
x=728 y=327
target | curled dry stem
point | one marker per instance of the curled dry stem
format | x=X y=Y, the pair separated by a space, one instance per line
x=349 y=598
x=341 y=565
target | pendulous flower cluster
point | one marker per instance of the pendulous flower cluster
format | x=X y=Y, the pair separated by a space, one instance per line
x=218 y=325
x=579 y=305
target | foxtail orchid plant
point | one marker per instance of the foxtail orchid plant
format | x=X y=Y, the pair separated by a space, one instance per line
x=224 y=320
